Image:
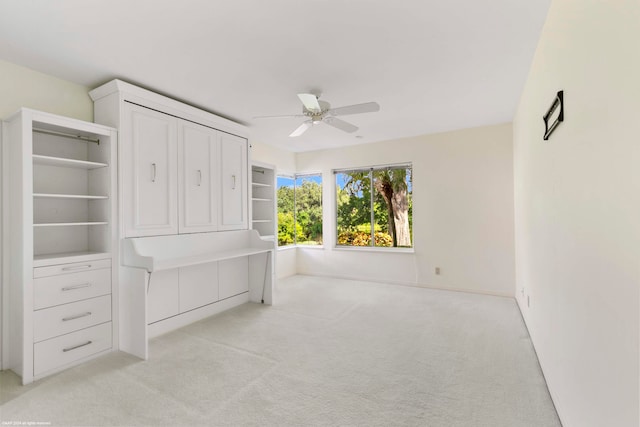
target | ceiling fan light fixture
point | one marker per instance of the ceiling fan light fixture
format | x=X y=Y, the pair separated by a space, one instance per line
x=317 y=111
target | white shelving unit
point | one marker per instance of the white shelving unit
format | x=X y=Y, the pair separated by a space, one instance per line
x=263 y=208
x=60 y=220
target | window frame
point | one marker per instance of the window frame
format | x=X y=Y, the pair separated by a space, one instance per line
x=370 y=170
x=294 y=177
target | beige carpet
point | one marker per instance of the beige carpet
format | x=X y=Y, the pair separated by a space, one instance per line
x=330 y=353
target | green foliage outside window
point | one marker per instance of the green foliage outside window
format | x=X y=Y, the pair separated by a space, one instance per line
x=300 y=210
x=392 y=207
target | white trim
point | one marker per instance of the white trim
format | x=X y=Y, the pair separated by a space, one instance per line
x=164 y=104
x=382 y=249
x=411 y=285
x=313 y=247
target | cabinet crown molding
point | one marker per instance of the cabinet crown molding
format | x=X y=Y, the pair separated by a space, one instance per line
x=165 y=104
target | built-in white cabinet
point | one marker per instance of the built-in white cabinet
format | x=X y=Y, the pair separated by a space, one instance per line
x=233 y=167
x=183 y=170
x=188 y=252
x=233 y=277
x=163 y=296
x=199 y=177
x=61 y=243
x=149 y=170
x=198 y=285
x=263 y=200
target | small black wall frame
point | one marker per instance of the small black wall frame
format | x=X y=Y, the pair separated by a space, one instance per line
x=558 y=102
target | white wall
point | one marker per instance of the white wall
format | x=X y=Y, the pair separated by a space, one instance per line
x=23 y=87
x=463 y=212
x=285 y=162
x=577 y=210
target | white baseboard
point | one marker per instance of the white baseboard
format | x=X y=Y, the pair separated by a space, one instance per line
x=412 y=284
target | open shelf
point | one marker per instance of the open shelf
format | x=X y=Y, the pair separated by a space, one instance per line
x=263 y=198
x=68 y=163
x=260 y=184
x=68 y=257
x=68 y=196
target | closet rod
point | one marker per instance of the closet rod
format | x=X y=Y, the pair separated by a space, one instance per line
x=258 y=171
x=67 y=135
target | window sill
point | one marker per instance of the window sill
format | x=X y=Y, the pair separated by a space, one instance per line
x=374 y=249
x=312 y=247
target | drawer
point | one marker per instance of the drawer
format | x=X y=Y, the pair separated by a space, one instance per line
x=54 y=270
x=66 y=288
x=60 y=351
x=62 y=319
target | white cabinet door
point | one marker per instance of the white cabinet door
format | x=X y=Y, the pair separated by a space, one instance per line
x=233 y=277
x=198 y=177
x=198 y=286
x=163 y=295
x=149 y=172
x=233 y=182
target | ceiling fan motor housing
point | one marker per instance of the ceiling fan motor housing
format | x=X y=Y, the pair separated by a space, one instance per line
x=317 y=115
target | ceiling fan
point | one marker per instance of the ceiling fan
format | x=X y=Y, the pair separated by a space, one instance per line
x=317 y=112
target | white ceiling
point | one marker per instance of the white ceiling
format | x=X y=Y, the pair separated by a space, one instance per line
x=431 y=65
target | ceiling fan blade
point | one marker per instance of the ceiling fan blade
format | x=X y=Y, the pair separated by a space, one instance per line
x=285 y=116
x=310 y=102
x=367 y=107
x=302 y=128
x=340 y=124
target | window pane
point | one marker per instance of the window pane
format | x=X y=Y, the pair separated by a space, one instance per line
x=353 y=222
x=309 y=209
x=286 y=220
x=393 y=207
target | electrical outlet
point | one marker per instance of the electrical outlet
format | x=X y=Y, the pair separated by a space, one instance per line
x=437 y=270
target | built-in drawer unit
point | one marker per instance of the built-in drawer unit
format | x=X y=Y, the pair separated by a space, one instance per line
x=62 y=319
x=72 y=317
x=65 y=288
x=66 y=349
x=75 y=267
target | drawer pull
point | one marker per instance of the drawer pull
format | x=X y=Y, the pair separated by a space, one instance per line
x=77 y=316
x=64 y=350
x=74 y=287
x=77 y=267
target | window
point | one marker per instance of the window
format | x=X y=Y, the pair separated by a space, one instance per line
x=299 y=210
x=286 y=217
x=374 y=206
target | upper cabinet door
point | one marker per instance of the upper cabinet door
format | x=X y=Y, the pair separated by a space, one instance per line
x=198 y=176
x=233 y=182
x=149 y=172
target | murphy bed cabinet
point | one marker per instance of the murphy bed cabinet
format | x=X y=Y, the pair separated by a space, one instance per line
x=61 y=225
x=187 y=250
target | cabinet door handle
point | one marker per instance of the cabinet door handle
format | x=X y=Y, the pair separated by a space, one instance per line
x=76 y=316
x=74 y=287
x=64 y=350
x=233 y=186
x=77 y=267
x=199 y=177
x=153 y=173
